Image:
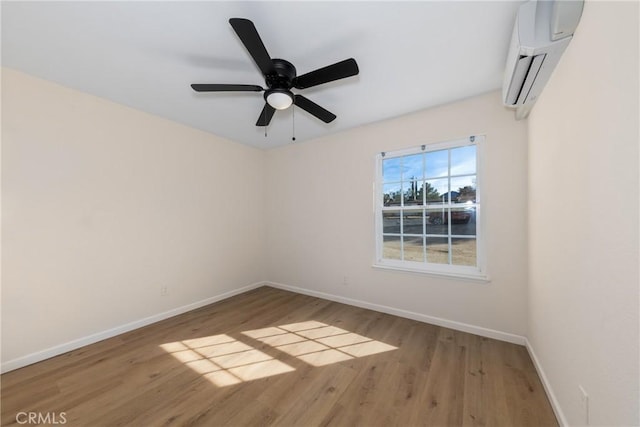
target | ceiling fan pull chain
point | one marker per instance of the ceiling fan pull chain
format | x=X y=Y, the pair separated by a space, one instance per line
x=264 y=114
x=293 y=122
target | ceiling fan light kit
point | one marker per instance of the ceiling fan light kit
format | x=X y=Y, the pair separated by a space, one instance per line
x=280 y=77
x=280 y=99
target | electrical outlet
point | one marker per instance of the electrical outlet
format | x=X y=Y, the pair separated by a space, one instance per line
x=584 y=400
x=345 y=281
x=164 y=291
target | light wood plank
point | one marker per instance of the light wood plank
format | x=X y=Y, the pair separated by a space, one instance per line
x=271 y=357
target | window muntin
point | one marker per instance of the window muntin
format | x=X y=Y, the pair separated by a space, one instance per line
x=428 y=209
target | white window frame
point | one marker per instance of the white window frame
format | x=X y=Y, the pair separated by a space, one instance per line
x=474 y=273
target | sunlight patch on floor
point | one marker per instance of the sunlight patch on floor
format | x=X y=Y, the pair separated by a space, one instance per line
x=225 y=361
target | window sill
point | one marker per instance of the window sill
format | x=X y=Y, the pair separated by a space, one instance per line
x=478 y=278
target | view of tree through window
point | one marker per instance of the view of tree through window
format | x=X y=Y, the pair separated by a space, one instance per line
x=429 y=206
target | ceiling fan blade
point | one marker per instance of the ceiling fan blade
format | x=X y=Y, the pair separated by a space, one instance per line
x=337 y=71
x=314 y=109
x=265 y=115
x=251 y=40
x=225 y=88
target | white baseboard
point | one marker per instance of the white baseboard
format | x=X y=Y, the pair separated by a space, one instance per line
x=547 y=386
x=93 y=338
x=459 y=326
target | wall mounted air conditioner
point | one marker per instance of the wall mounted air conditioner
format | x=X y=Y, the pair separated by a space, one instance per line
x=541 y=33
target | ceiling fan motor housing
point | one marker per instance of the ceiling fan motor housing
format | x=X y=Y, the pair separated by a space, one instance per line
x=282 y=76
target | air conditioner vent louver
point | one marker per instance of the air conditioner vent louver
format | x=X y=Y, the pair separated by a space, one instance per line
x=534 y=69
x=519 y=75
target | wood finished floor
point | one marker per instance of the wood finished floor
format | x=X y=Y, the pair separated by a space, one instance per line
x=270 y=357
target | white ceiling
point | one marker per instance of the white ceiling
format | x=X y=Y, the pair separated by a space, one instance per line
x=411 y=55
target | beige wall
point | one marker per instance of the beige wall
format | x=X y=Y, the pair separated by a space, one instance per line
x=583 y=321
x=103 y=205
x=321 y=223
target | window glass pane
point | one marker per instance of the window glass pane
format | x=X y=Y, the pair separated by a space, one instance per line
x=391 y=247
x=437 y=164
x=435 y=190
x=391 y=169
x=412 y=167
x=412 y=222
x=463 y=251
x=391 y=222
x=463 y=221
x=449 y=194
x=412 y=192
x=392 y=194
x=463 y=189
x=438 y=250
x=413 y=249
x=437 y=221
x=463 y=160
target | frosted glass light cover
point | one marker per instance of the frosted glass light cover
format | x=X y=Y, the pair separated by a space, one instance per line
x=279 y=100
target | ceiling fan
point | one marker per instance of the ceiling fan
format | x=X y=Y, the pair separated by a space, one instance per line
x=280 y=77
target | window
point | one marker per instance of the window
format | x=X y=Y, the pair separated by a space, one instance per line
x=428 y=209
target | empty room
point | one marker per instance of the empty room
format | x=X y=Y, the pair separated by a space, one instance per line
x=331 y=213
